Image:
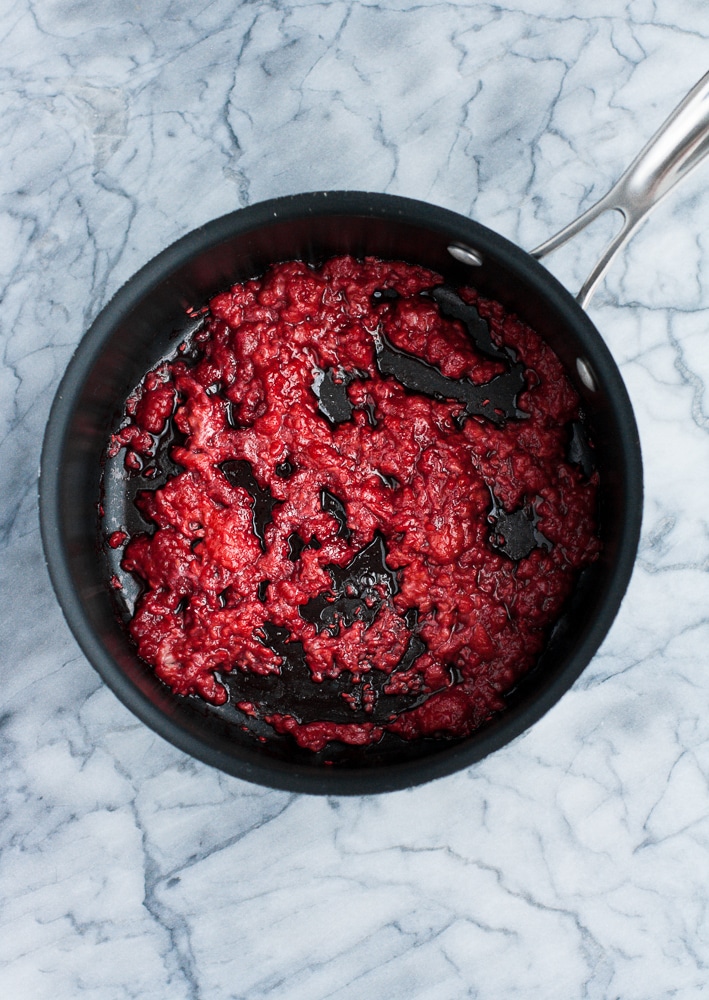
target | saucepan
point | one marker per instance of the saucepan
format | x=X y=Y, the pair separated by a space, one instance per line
x=155 y=310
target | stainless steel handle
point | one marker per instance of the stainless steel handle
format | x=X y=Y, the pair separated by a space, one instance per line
x=676 y=148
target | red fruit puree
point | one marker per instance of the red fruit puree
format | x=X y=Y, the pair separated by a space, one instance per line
x=379 y=497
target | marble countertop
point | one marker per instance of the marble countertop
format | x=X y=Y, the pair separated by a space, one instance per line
x=575 y=861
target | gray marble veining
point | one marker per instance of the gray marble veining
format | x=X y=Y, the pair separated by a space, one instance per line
x=573 y=863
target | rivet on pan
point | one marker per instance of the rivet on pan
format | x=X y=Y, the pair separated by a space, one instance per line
x=466 y=255
x=586 y=374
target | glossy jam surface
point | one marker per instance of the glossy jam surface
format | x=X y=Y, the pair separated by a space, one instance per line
x=374 y=498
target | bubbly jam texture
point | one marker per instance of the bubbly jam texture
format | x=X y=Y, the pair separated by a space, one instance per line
x=378 y=498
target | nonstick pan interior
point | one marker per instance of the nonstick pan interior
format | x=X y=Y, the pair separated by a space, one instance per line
x=145 y=322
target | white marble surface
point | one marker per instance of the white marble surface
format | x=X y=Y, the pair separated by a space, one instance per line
x=573 y=863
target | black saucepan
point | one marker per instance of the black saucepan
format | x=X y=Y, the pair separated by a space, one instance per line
x=151 y=314
x=144 y=323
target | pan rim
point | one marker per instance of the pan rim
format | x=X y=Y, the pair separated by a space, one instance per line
x=242 y=763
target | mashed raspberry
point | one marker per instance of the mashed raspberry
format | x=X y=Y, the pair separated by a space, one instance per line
x=374 y=504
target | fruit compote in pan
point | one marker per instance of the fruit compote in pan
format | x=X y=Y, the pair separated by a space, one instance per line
x=363 y=499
